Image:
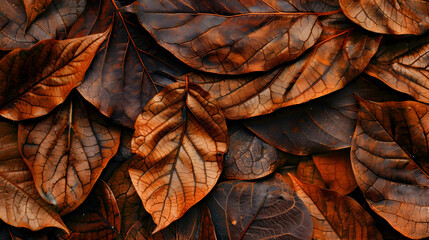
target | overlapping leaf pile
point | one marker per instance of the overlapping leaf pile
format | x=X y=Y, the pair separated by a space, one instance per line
x=203 y=119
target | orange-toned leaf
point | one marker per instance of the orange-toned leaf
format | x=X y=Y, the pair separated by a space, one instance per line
x=335 y=216
x=130 y=67
x=321 y=125
x=265 y=209
x=403 y=66
x=336 y=170
x=67 y=150
x=386 y=16
x=184 y=228
x=53 y=24
x=8 y=232
x=34 y=81
x=19 y=200
x=249 y=157
x=129 y=203
x=390 y=162
x=332 y=63
x=33 y=8
x=97 y=218
x=229 y=36
x=181 y=136
x=307 y=172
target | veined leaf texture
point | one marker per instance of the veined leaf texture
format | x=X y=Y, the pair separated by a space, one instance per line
x=204 y=120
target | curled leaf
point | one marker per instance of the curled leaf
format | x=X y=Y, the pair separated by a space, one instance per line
x=391 y=17
x=181 y=136
x=34 y=81
x=390 y=162
x=21 y=203
x=335 y=216
x=66 y=152
x=258 y=210
x=229 y=37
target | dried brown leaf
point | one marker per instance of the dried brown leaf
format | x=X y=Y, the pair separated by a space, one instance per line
x=20 y=202
x=335 y=216
x=229 y=36
x=97 y=218
x=386 y=16
x=34 y=81
x=53 y=24
x=390 y=162
x=258 y=210
x=67 y=150
x=181 y=136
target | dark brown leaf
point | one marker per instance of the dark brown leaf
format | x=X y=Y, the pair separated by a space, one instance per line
x=97 y=218
x=229 y=36
x=129 y=203
x=67 y=150
x=186 y=228
x=335 y=216
x=336 y=170
x=34 y=81
x=53 y=24
x=20 y=202
x=338 y=58
x=181 y=136
x=207 y=231
x=403 y=66
x=321 y=125
x=386 y=16
x=8 y=232
x=249 y=157
x=258 y=210
x=130 y=67
x=390 y=162
x=33 y=8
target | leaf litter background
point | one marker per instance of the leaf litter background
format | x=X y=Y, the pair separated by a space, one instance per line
x=227 y=119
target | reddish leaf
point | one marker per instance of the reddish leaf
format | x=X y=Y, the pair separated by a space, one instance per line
x=129 y=203
x=403 y=66
x=33 y=9
x=66 y=152
x=321 y=125
x=337 y=59
x=258 y=210
x=229 y=36
x=185 y=228
x=130 y=67
x=20 y=203
x=335 y=216
x=35 y=81
x=386 y=16
x=308 y=173
x=207 y=231
x=182 y=136
x=249 y=157
x=15 y=32
x=390 y=161
x=97 y=218
x=336 y=170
